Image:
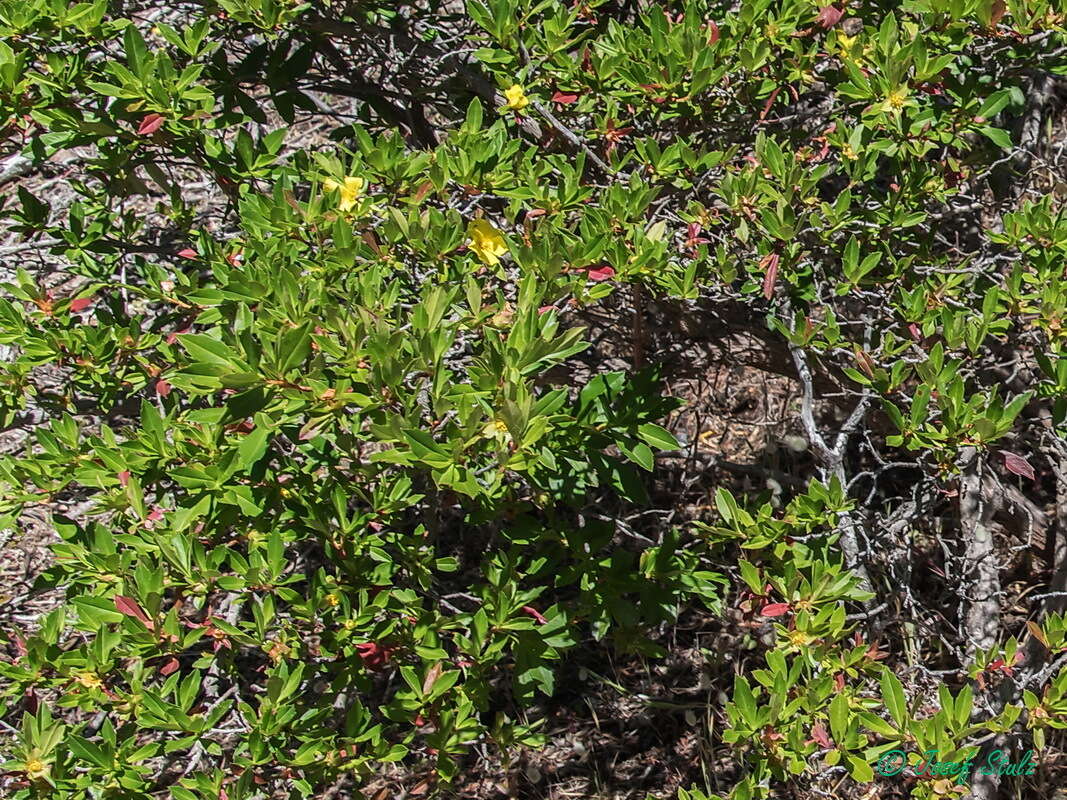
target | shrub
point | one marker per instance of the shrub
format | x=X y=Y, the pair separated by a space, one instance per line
x=338 y=468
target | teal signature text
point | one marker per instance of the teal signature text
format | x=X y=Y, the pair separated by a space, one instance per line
x=996 y=763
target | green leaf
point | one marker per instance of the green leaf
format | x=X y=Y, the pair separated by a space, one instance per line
x=839 y=716
x=657 y=436
x=252 y=447
x=860 y=770
x=999 y=137
x=893 y=697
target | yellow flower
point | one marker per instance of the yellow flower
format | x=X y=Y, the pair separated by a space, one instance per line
x=89 y=680
x=350 y=190
x=895 y=100
x=486 y=242
x=496 y=427
x=847 y=45
x=799 y=638
x=332 y=599
x=517 y=99
x=35 y=768
x=848 y=152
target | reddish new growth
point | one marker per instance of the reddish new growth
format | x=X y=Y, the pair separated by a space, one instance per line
x=374 y=655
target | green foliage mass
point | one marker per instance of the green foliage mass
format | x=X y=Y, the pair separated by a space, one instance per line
x=337 y=446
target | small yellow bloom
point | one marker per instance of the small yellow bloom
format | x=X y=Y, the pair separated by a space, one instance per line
x=496 y=427
x=350 y=190
x=35 y=768
x=895 y=100
x=517 y=99
x=333 y=599
x=349 y=624
x=799 y=638
x=89 y=680
x=846 y=45
x=848 y=152
x=487 y=242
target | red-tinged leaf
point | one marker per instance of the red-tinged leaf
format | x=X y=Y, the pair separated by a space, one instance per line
x=374 y=655
x=1037 y=632
x=172 y=338
x=601 y=274
x=996 y=12
x=587 y=60
x=163 y=387
x=996 y=663
x=564 y=98
x=775 y=609
x=839 y=681
x=151 y=124
x=916 y=334
x=309 y=431
x=770 y=102
x=1017 y=465
x=80 y=304
x=713 y=35
x=169 y=667
x=829 y=16
x=129 y=607
x=819 y=734
x=188 y=252
x=545 y=309
x=537 y=615
x=432 y=674
x=769 y=263
x=421 y=192
x=124 y=478
x=865 y=363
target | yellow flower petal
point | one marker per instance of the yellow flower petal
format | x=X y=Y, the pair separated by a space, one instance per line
x=517 y=99
x=496 y=427
x=350 y=190
x=88 y=680
x=895 y=100
x=35 y=768
x=487 y=242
